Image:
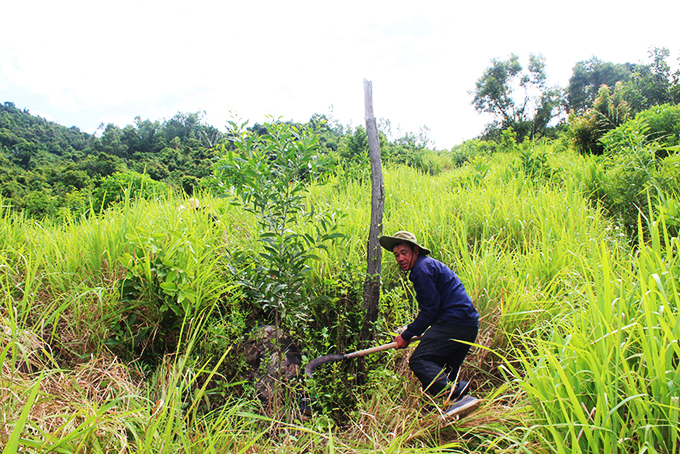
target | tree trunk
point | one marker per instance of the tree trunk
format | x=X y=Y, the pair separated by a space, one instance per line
x=374 y=252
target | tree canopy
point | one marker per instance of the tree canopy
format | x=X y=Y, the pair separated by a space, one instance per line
x=519 y=99
x=603 y=95
x=48 y=168
x=587 y=78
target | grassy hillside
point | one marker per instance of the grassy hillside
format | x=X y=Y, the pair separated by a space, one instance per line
x=124 y=332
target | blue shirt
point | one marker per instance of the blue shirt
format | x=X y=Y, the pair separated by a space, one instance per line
x=441 y=297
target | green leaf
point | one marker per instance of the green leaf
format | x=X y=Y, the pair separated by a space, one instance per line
x=13 y=441
x=169 y=286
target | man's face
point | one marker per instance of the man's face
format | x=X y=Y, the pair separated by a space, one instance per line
x=405 y=256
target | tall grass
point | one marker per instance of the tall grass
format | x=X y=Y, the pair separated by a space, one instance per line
x=519 y=248
x=562 y=295
x=577 y=349
x=607 y=378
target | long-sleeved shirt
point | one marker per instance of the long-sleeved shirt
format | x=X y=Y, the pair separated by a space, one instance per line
x=441 y=297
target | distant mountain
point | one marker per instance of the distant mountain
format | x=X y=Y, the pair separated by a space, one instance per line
x=28 y=141
x=46 y=168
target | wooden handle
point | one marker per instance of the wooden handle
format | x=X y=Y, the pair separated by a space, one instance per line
x=377 y=349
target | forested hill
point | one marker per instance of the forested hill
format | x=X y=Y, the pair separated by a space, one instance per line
x=46 y=167
x=49 y=170
x=28 y=140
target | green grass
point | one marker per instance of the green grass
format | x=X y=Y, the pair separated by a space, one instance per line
x=577 y=350
x=606 y=379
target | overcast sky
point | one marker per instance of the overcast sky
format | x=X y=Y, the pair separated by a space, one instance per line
x=83 y=63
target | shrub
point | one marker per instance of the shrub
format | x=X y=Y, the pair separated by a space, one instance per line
x=640 y=165
x=114 y=188
x=40 y=204
x=534 y=164
x=660 y=124
x=470 y=149
x=608 y=112
x=663 y=122
x=171 y=276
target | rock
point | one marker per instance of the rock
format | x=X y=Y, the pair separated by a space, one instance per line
x=262 y=355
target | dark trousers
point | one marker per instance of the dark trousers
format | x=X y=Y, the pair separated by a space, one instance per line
x=438 y=357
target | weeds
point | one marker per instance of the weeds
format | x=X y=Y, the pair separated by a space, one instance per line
x=577 y=349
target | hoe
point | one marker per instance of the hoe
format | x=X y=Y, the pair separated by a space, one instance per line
x=313 y=364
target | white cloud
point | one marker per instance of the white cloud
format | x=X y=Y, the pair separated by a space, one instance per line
x=98 y=61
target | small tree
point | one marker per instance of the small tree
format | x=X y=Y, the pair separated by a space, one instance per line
x=519 y=100
x=269 y=174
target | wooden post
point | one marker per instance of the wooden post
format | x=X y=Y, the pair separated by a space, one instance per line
x=374 y=251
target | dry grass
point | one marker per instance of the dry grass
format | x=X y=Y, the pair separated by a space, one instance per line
x=402 y=418
x=95 y=393
x=25 y=351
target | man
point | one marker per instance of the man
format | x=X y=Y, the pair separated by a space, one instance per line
x=448 y=312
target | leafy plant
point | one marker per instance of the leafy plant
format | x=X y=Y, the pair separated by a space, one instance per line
x=268 y=175
x=640 y=163
x=609 y=111
x=660 y=124
x=116 y=187
x=478 y=169
x=534 y=164
x=171 y=277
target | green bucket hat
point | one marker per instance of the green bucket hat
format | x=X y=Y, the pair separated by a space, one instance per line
x=388 y=242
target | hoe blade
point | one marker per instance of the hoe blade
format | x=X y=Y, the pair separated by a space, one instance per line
x=313 y=364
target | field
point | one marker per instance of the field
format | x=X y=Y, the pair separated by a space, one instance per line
x=124 y=332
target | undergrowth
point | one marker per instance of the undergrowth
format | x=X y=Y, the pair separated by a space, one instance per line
x=124 y=331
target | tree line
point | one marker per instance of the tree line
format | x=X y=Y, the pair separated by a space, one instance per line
x=48 y=170
x=605 y=94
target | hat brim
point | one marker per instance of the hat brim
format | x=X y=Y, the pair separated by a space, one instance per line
x=388 y=242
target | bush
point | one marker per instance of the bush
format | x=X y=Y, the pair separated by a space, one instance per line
x=608 y=112
x=641 y=165
x=434 y=162
x=116 y=187
x=476 y=148
x=172 y=276
x=534 y=165
x=660 y=124
x=40 y=204
x=470 y=149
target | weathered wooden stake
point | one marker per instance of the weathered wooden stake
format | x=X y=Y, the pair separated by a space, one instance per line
x=374 y=255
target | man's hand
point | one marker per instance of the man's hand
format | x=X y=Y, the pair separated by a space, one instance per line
x=401 y=343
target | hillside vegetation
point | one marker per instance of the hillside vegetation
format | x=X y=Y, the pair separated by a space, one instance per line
x=125 y=331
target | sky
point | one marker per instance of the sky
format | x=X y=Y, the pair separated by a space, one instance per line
x=87 y=63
